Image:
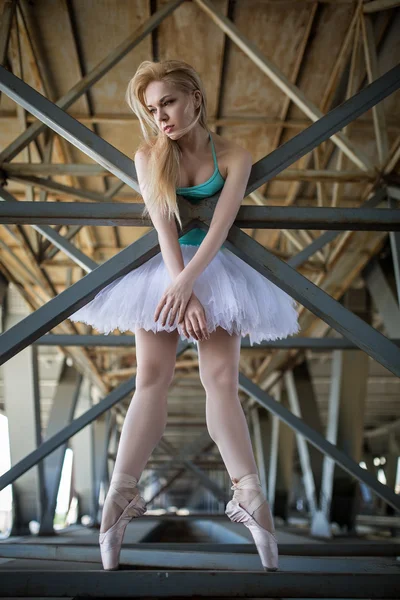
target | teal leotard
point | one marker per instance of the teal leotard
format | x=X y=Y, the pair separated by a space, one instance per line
x=197 y=193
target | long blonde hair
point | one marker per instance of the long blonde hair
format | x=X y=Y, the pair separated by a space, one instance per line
x=164 y=153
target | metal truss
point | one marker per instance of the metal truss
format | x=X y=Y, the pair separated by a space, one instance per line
x=260 y=217
x=340 y=579
x=282 y=274
x=98 y=340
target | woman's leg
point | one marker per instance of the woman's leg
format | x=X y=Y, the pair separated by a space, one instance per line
x=146 y=417
x=219 y=373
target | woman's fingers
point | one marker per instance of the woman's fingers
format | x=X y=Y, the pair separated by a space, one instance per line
x=190 y=328
x=168 y=307
x=196 y=326
x=159 y=308
x=203 y=325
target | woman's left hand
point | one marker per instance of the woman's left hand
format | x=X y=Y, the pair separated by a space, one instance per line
x=175 y=300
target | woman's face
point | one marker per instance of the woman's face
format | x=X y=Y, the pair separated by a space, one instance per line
x=167 y=105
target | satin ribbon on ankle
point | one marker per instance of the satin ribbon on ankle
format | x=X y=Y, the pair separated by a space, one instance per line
x=248 y=482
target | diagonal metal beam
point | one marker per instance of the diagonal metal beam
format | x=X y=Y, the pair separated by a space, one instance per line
x=377 y=5
x=292 y=91
x=65 y=125
x=77 y=295
x=91 y=78
x=66 y=433
x=378 y=112
x=308 y=139
x=267 y=168
x=327 y=237
x=318 y=440
x=58 y=240
x=59 y=189
x=56 y=310
x=313 y=298
x=5 y=28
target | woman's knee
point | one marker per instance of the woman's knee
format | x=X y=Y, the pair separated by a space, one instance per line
x=219 y=377
x=154 y=374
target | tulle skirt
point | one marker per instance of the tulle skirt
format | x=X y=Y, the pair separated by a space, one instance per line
x=234 y=296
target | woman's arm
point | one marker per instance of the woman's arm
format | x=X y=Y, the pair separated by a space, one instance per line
x=167 y=230
x=225 y=212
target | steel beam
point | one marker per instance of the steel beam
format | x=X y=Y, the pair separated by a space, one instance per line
x=265 y=169
x=383 y=297
x=259 y=217
x=99 y=340
x=58 y=189
x=341 y=458
x=20 y=171
x=377 y=5
x=77 y=425
x=91 y=78
x=62 y=413
x=77 y=295
x=100 y=432
x=22 y=407
x=335 y=580
x=313 y=298
x=395 y=246
x=327 y=237
x=320 y=526
x=5 y=28
x=277 y=77
x=82 y=462
x=86 y=263
x=302 y=448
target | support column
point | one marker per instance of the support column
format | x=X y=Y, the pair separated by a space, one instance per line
x=261 y=421
x=22 y=408
x=321 y=526
x=310 y=414
x=302 y=447
x=62 y=413
x=81 y=444
x=390 y=470
x=100 y=431
x=353 y=391
x=284 y=479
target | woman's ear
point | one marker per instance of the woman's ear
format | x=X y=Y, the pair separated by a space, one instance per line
x=197 y=98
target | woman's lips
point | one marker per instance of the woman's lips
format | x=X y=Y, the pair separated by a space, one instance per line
x=168 y=129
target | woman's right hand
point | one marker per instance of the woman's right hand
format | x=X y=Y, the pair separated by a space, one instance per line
x=194 y=322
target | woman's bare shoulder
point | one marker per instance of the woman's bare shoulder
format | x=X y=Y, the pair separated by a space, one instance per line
x=142 y=154
x=228 y=149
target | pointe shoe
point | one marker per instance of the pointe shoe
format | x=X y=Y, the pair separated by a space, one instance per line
x=265 y=541
x=111 y=540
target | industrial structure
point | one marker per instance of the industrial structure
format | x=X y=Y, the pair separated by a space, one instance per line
x=311 y=89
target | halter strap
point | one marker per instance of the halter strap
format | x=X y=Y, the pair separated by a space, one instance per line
x=213 y=152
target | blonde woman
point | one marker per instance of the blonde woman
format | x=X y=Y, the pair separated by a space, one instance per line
x=194 y=288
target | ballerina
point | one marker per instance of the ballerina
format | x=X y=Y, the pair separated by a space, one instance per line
x=196 y=289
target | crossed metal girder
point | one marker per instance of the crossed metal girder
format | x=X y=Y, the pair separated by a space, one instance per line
x=239 y=243
x=299 y=287
x=123 y=167
x=101 y=69
x=318 y=440
x=253 y=390
x=70 y=430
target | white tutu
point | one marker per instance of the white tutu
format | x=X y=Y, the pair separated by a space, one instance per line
x=234 y=296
